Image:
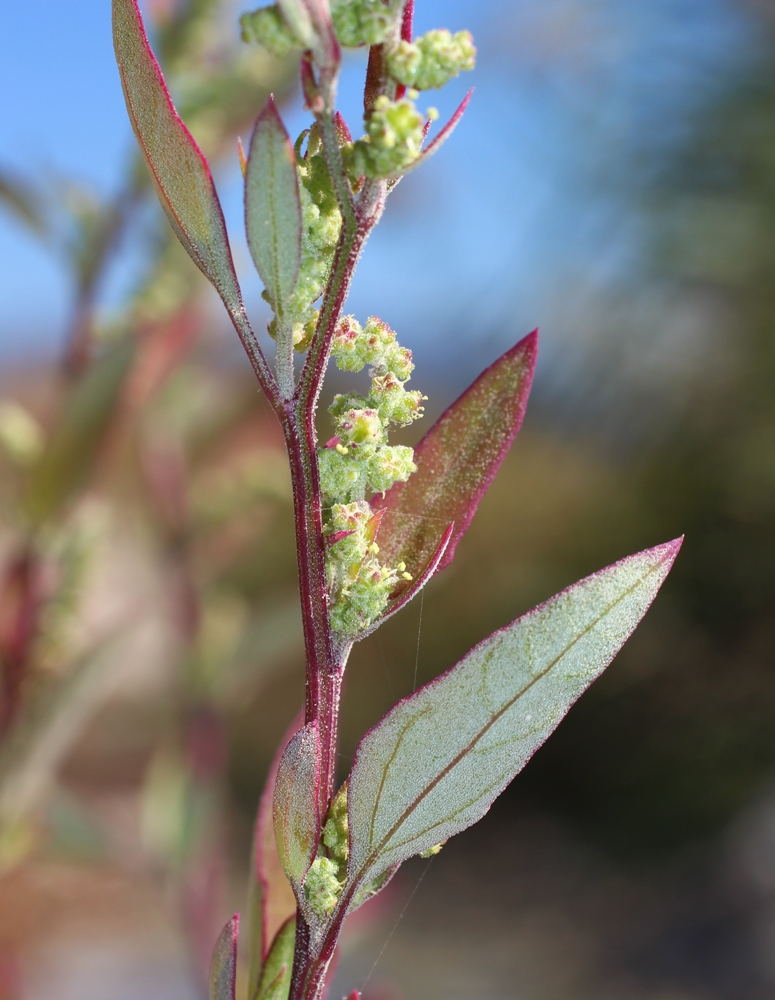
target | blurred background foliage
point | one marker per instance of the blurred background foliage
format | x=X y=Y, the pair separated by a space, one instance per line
x=149 y=637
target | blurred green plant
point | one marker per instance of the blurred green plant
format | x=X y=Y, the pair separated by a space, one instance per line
x=139 y=492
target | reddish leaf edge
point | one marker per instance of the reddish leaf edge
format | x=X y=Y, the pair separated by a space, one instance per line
x=417 y=584
x=527 y=346
x=194 y=146
x=666 y=552
x=271 y=113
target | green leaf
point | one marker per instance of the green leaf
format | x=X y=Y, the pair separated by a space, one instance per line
x=295 y=803
x=178 y=167
x=456 y=462
x=275 y=980
x=71 y=450
x=273 y=208
x=438 y=759
x=223 y=968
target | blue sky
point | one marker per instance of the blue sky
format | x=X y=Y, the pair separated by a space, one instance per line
x=518 y=214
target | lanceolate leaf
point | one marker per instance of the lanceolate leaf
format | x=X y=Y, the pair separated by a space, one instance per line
x=436 y=762
x=276 y=975
x=272 y=207
x=456 y=462
x=295 y=803
x=223 y=969
x=178 y=167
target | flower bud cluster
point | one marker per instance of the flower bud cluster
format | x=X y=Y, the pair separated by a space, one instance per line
x=267 y=27
x=325 y=879
x=321 y=887
x=362 y=22
x=394 y=135
x=359 y=584
x=321 y=224
x=433 y=59
x=360 y=458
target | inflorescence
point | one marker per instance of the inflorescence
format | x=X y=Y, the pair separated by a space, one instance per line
x=359 y=459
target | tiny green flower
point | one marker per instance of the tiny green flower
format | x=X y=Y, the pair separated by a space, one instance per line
x=394 y=135
x=433 y=59
x=361 y=22
x=322 y=888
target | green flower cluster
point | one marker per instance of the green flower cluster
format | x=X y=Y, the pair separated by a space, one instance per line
x=359 y=458
x=325 y=879
x=433 y=59
x=321 y=887
x=394 y=134
x=358 y=584
x=267 y=27
x=362 y=22
x=321 y=224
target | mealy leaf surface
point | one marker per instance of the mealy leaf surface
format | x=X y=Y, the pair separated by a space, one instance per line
x=295 y=803
x=276 y=976
x=438 y=759
x=273 y=208
x=178 y=167
x=456 y=462
x=223 y=967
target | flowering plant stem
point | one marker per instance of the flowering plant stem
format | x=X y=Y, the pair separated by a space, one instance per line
x=434 y=764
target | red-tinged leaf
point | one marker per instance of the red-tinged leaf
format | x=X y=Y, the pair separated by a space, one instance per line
x=439 y=140
x=272 y=899
x=413 y=588
x=373 y=524
x=343 y=133
x=337 y=536
x=436 y=762
x=273 y=208
x=223 y=969
x=456 y=462
x=178 y=168
x=295 y=803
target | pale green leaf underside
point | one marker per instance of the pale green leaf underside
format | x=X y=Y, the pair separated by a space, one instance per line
x=179 y=170
x=295 y=803
x=436 y=762
x=273 y=209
